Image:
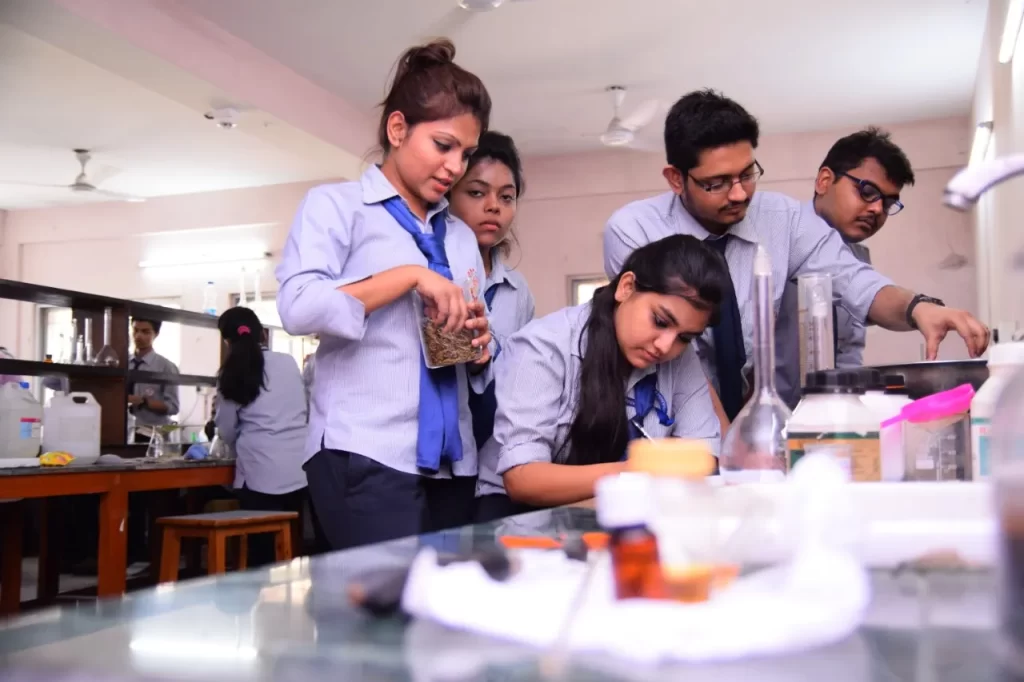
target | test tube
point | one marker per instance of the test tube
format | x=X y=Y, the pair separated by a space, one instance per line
x=817 y=344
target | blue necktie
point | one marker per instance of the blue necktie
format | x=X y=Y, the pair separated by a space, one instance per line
x=484 y=405
x=730 y=355
x=646 y=397
x=438 y=437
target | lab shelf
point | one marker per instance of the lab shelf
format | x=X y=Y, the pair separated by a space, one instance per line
x=34 y=368
x=171 y=379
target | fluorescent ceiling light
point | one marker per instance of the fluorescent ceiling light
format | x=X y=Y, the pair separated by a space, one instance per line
x=182 y=260
x=982 y=139
x=1011 y=29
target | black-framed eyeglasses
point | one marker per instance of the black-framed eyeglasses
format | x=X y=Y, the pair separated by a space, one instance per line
x=870 y=193
x=724 y=184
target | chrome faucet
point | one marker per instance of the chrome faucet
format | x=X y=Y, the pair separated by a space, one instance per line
x=967 y=186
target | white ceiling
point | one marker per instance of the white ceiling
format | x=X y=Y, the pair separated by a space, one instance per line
x=796 y=64
x=143 y=142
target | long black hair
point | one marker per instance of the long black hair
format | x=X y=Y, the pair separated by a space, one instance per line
x=679 y=265
x=241 y=377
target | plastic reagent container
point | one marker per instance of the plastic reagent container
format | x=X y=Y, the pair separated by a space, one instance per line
x=936 y=436
x=71 y=423
x=1003 y=361
x=886 y=395
x=685 y=516
x=831 y=417
x=21 y=419
x=623 y=509
x=210 y=299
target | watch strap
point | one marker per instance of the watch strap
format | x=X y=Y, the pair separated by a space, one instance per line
x=919 y=298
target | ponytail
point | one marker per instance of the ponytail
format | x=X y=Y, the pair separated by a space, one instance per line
x=241 y=376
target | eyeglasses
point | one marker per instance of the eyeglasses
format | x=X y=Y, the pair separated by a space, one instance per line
x=724 y=184
x=870 y=193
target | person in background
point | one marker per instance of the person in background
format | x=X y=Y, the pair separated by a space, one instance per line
x=153 y=404
x=390 y=451
x=857 y=188
x=712 y=172
x=262 y=414
x=485 y=199
x=563 y=418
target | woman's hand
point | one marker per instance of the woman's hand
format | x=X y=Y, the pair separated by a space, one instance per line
x=478 y=323
x=443 y=300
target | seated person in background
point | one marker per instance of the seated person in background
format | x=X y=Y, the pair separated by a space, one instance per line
x=261 y=411
x=153 y=404
x=574 y=387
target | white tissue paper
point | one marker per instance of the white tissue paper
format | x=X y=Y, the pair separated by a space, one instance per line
x=817 y=597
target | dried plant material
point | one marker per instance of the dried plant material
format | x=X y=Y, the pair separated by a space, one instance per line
x=443 y=349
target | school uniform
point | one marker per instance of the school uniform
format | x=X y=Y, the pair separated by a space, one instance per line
x=509 y=308
x=537 y=383
x=168 y=393
x=269 y=438
x=390 y=449
x=797 y=241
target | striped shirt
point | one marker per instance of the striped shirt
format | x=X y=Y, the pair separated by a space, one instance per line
x=513 y=305
x=365 y=397
x=537 y=383
x=268 y=434
x=797 y=241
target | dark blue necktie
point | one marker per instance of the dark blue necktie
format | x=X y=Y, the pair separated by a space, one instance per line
x=438 y=437
x=646 y=397
x=730 y=355
x=484 y=405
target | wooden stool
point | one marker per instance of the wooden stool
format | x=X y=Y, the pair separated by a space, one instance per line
x=216 y=528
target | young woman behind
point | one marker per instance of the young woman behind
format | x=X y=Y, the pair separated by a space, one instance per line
x=261 y=411
x=486 y=199
x=576 y=386
x=390 y=451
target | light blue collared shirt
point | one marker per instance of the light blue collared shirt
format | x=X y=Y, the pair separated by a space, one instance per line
x=850 y=336
x=797 y=241
x=365 y=398
x=513 y=305
x=268 y=434
x=537 y=385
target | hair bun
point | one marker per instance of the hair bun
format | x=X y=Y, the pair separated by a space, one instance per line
x=437 y=52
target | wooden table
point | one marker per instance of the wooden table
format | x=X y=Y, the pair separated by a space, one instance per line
x=112 y=483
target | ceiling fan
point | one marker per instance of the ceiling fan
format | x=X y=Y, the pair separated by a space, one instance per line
x=82 y=183
x=621 y=130
x=463 y=12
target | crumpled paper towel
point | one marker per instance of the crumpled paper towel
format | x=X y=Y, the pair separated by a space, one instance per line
x=817 y=598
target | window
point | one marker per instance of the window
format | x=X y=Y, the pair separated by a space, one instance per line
x=280 y=340
x=581 y=289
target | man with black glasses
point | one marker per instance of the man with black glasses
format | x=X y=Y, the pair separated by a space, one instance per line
x=856 y=190
x=713 y=173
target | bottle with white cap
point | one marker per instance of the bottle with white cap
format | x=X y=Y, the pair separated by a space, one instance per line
x=1004 y=359
x=624 y=509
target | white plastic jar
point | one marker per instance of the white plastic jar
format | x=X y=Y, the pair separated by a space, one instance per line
x=1004 y=359
x=885 y=396
x=831 y=417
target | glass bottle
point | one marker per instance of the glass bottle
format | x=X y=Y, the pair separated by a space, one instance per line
x=107 y=356
x=87 y=355
x=623 y=509
x=79 y=351
x=754 y=448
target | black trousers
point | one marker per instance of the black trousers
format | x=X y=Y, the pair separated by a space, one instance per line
x=261 y=547
x=360 y=501
x=493 y=507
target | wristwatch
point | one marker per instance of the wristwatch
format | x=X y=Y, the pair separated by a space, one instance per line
x=145 y=398
x=919 y=298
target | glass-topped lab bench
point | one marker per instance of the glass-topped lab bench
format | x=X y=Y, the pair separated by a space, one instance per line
x=292 y=623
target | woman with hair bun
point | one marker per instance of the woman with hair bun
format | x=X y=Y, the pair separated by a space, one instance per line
x=390 y=451
x=486 y=199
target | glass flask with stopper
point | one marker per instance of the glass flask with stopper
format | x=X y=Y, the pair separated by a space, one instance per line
x=107 y=356
x=754 y=448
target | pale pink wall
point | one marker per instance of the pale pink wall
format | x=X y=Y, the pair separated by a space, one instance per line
x=97 y=248
x=569 y=199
